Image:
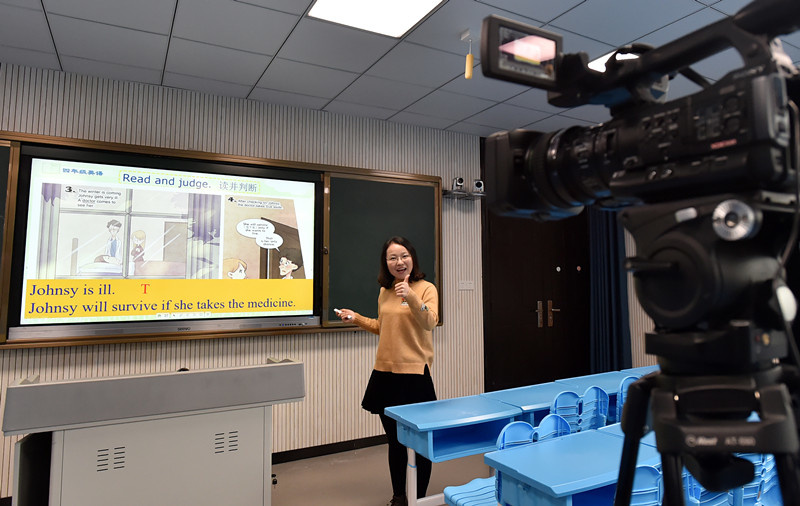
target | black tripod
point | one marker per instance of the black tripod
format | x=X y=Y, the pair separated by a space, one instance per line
x=719 y=303
x=700 y=421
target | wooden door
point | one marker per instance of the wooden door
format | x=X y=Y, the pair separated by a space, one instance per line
x=536 y=300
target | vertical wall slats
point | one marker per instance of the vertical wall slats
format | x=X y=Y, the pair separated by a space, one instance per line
x=639 y=320
x=337 y=365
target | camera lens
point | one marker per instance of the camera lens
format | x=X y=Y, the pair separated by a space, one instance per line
x=562 y=168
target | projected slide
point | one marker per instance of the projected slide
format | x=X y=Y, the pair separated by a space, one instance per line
x=115 y=243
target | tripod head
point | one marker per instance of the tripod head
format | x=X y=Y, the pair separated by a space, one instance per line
x=708 y=272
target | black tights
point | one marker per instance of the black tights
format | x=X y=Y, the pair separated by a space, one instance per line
x=398 y=461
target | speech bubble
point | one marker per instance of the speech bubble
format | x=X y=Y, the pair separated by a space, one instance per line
x=255 y=227
x=269 y=241
x=260 y=204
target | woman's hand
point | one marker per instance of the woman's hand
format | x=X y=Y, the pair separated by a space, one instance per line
x=402 y=288
x=347 y=315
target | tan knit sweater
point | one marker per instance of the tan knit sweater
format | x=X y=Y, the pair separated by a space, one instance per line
x=406 y=342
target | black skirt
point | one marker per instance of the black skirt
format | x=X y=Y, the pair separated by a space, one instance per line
x=387 y=389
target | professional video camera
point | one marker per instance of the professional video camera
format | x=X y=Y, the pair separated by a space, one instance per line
x=708 y=187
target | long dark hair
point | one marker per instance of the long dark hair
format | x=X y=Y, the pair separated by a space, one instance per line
x=385 y=278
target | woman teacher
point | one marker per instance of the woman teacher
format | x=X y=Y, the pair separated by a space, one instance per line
x=407 y=313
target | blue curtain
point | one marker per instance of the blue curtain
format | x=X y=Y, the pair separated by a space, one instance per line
x=610 y=333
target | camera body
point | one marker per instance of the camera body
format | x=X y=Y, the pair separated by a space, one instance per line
x=732 y=135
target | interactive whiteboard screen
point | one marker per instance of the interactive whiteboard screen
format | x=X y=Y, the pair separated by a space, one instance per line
x=108 y=244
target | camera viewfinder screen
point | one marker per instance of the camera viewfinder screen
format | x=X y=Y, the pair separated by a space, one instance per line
x=529 y=55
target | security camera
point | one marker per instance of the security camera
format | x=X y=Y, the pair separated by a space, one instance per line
x=477 y=186
x=458 y=184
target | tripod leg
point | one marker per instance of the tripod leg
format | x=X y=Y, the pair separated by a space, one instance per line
x=788 y=478
x=634 y=419
x=672 y=470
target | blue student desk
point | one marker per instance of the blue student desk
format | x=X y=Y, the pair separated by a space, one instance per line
x=533 y=400
x=583 y=467
x=616 y=429
x=641 y=371
x=448 y=429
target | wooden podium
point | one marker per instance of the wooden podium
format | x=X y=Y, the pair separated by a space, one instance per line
x=186 y=438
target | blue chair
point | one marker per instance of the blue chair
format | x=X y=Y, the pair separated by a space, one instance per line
x=485 y=491
x=515 y=434
x=475 y=493
x=622 y=394
x=593 y=409
x=764 y=490
x=647 y=487
x=480 y=491
x=567 y=406
x=770 y=489
x=551 y=426
x=695 y=494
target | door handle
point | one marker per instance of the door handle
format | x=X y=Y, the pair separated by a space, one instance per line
x=539 y=316
x=550 y=311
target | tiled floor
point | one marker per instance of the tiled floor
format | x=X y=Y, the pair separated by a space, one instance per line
x=359 y=478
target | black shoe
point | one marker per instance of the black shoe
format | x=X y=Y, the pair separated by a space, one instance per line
x=398 y=500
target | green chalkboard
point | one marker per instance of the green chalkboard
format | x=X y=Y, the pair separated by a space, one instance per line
x=363 y=213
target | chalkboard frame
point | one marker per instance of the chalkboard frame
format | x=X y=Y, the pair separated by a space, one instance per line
x=8 y=202
x=15 y=140
x=365 y=247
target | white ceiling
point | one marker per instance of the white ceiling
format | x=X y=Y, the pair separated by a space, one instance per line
x=269 y=50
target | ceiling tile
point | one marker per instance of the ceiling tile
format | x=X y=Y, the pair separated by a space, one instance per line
x=334 y=46
x=507 y=117
x=411 y=63
x=624 y=20
x=29 y=58
x=484 y=87
x=28 y=4
x=101 y=42
x=215 y=62
x=534 y=99
x=154 y=16
x=473 y=129
x=556 y=122
x=366 y=111
x=589 y=112
x=306 y=79
x=286 y=98
x=682 y=27
x=443 y=29
x=224 y=47
x=793 y=39
x=25 y=29
x=574 y=43
x=730 y=7
x=449 y=105
x=369 y=90
x=110 y=70
x=205 y=85
x=420 y=119
x=542 y=10
x=791 y=51
x=679 y=87
x=714 y=67
x=290 y=6
x=232 y=24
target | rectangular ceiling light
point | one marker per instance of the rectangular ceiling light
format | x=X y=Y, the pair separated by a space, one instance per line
x=387 y=17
